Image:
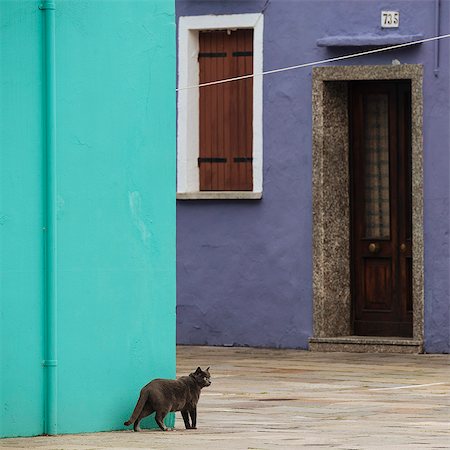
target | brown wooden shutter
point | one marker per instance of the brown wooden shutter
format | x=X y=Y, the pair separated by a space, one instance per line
x=226 y=111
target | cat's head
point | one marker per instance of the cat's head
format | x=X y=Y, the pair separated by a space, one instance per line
x=202 y=377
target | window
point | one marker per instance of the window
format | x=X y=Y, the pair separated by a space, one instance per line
x=220 y=126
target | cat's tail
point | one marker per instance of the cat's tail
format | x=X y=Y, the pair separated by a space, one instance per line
x=137 y=409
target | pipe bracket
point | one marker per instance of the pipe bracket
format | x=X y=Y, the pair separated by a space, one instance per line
x=50 y=363
x=47 y=5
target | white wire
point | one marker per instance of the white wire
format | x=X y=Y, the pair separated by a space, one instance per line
x=315 y=63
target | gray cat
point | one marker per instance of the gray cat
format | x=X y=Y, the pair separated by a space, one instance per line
x=164 y=396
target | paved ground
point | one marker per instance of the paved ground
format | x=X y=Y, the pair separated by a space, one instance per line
x=278 y=399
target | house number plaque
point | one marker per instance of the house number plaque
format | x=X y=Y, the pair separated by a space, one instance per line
x=390 y=19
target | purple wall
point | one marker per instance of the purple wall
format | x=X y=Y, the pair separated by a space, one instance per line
x=245 y=267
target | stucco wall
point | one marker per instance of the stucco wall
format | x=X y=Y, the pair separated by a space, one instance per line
x=245 y=268
x=115 y=70
x=21 y=220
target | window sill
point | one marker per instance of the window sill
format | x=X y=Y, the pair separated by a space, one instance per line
x=219 y=195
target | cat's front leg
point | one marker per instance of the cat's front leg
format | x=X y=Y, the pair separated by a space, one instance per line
x=193 y=414
x=185 y=415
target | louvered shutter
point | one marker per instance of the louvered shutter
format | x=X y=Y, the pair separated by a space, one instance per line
x=226 y=111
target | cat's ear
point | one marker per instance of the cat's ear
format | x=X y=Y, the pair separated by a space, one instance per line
x=198 y=370
x=207 y=370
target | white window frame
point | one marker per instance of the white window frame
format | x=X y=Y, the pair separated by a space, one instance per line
x=188 y=183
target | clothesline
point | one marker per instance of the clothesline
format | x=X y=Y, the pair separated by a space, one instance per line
x=316 y=63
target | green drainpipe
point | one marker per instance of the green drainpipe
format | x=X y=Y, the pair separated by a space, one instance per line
x=50 y=363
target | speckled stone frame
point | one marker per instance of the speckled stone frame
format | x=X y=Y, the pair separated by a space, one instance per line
x=331 y=209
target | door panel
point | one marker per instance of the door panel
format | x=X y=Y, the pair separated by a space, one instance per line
x=378 y=284
x=380 y=130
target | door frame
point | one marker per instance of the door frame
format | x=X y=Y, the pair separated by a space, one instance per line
x=331 y=200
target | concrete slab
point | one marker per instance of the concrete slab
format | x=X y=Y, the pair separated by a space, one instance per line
x=283 y=399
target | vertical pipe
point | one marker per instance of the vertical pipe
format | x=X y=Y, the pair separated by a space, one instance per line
x=50 y=362
x=437 y=31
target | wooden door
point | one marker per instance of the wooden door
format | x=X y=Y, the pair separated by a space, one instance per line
x=380 y=185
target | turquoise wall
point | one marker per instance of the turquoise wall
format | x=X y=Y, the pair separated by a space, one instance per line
x=21 y=220
x=115 y=70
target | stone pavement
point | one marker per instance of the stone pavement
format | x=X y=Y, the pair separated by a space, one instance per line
x=290 y=399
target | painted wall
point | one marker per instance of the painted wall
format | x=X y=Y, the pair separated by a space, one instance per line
x=244 y=268
x=21 y=220
x=116 y=210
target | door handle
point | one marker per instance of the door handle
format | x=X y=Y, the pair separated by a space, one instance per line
x=403 y=248
x=374 y=247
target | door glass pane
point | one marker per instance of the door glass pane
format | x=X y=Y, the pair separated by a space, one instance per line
x=376 y=150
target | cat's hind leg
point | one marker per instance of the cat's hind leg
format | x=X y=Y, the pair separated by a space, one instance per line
x=144 y=413
x=159 y=417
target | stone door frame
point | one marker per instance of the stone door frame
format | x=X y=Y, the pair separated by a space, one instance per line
x=331 y=208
